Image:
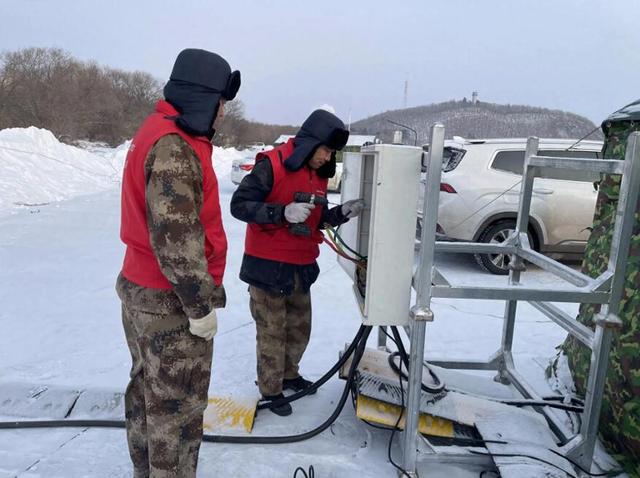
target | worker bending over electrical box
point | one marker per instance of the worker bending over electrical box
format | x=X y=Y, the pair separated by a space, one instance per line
x=284 y=202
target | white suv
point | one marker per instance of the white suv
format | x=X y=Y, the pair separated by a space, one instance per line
x=480 y=191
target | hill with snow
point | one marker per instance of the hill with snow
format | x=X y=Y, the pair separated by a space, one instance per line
x=478 y=120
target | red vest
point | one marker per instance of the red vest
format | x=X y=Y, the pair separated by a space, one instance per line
x=275 y=242
x=140 y=264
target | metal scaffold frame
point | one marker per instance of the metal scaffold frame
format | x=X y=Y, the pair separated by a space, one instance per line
x=607 y=290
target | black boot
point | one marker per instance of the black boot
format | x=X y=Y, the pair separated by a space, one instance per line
x=283 y=409
x=297 y=384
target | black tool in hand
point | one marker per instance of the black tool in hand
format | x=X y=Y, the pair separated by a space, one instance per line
x=310 y=198
x=302 y=229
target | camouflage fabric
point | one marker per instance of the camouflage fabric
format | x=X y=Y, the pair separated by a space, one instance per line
x=171 y=368
x=167 y=393
x=620 y=419
x=174 y=196
x=283 y=327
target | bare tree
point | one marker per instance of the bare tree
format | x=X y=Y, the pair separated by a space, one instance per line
x=47 y=88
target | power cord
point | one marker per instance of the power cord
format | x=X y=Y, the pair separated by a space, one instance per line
x=438 y=386
x=547 y=401
x=322 y=380
x=395 y=427
x=310 y=474
x=573 y=463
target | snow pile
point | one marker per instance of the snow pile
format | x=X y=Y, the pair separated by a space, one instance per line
x=114 y=156
x=37 y=169
x=223 y=159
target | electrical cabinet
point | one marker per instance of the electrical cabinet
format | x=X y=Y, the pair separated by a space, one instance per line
x=387 y=177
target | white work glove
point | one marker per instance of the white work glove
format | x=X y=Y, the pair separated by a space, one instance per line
x=296 y=212
x=352 y=208
x=206 y=327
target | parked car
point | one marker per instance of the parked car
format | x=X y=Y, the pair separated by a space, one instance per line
x=243 y=166
x=480 y=191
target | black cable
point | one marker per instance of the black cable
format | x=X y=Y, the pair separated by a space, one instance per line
x=316 y=431
x=359 y=344
x=321 y=381
x=561 y=398
x=547 y=401
x=375 y=425
x=607 y=473
x=482 y=442
x=583 y=138
x=359 y=351
x=517 y=455
x=540 y=403
x=439 y=387
x=573 y=463
x=62 y=424
x=551 y=402
x=596 y=128
x=310 y=474
x=395 y=427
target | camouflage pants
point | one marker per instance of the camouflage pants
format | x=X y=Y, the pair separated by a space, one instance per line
x=167 y=395
x=283 y=327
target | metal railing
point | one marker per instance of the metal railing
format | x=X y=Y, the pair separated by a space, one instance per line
x=606 y=289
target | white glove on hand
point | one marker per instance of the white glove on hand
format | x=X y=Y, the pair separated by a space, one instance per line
x=296 y=212
x=353 y=208
x=206 y=327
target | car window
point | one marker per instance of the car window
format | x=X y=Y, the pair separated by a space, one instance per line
x=513 y=162
x=451 y=157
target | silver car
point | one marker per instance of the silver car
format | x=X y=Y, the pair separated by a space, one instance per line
x=243 y=166
x=480 y=190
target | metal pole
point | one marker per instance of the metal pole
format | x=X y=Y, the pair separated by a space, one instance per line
x=516 y=265
x=421 y=312
x=382 y=337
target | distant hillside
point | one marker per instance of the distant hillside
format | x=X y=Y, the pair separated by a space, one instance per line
x=478 y=120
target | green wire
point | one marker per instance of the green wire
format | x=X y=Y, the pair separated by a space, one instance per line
x=335 y=233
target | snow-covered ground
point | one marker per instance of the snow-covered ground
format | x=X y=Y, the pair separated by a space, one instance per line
x=60 y=254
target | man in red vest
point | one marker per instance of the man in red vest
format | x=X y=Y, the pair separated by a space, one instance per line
x=283 y=201
x=171 y=279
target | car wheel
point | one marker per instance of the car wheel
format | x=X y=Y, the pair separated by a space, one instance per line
x=496 y=234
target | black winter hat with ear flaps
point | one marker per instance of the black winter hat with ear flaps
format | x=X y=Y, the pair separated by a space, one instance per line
x=320 y=128
x=198 y=80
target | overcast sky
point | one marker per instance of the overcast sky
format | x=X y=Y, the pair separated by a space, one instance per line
x=579 y=56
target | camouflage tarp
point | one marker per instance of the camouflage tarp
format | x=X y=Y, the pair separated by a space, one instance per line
x=620 y=419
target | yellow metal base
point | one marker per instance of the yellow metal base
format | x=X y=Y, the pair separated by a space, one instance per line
x=226 y=413
x=383 y=413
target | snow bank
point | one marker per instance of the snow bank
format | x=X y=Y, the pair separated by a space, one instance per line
x=36 y=168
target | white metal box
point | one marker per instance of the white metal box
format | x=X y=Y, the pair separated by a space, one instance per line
x=387 y=178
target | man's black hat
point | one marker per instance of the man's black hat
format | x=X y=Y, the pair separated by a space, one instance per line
x=198 y=80
x=320 y=128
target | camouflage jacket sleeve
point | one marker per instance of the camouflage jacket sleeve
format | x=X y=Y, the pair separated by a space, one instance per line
x=174 y=195
x=247 y=203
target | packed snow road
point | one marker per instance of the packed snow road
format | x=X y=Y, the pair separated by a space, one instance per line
x=61 y=327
